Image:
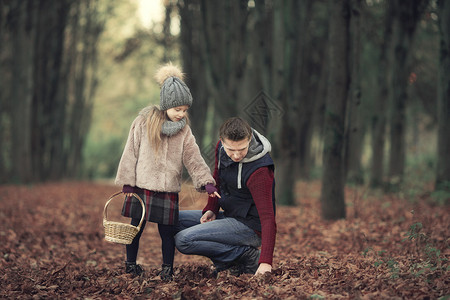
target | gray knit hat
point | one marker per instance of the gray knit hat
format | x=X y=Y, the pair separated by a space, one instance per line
x=174 y=92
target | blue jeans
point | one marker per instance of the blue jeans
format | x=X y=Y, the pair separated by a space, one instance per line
x=222 y=240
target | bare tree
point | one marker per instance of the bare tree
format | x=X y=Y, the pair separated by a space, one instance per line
x=20 y=103
x=379 y=115
x=355 y=120
x=285 y=53
x=81 y=66
x=406 y=15
x=333 y=180
x=193 y=58
x=443 y=163
x=4 y=89
x=312 y=52
x=47 y=121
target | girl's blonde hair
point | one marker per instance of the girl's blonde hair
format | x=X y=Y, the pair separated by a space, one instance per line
x=155 y=120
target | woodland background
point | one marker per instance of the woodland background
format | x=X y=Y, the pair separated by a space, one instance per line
x=352 y=94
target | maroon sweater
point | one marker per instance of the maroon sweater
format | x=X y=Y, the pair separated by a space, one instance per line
x=260 y=186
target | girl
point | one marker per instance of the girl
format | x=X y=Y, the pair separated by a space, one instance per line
x=159 y=143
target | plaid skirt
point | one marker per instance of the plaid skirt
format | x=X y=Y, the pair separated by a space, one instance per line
x=160 y=207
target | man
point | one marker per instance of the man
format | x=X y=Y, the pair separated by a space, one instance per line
x=244 y=173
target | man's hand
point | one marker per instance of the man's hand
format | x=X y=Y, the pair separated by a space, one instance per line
x=208 y=217
x=263 y=268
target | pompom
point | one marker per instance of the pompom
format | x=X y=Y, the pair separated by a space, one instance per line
x=166 y=71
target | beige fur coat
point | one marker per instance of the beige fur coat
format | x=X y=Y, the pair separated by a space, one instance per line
x=141 y=167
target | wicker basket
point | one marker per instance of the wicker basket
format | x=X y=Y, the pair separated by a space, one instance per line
x=117 y=232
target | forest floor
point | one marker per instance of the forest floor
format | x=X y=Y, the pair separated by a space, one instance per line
x=52 y=247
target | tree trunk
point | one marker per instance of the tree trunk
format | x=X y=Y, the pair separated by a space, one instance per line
x=82 y=71
x=22 y=36
x=443 y=161
x=166 y=40
x=379 y=116
x=5 y=92
x=49 y=110
x=263 y=109
x=355 y=132
x=309 y=64
x=285 y=53
x=407 y=15
x=333 y=180
x=224 y=25
x=261 y=50
x=191 y=45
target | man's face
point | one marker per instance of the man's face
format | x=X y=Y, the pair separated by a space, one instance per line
x=236 y=150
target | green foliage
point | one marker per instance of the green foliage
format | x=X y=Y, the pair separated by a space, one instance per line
x=388 y=261
x=315 y=173
x=419 y=173
x=442 y=193
x=366 y=251
x=316 y=296
x=431 y=256
x=101 y=157
x=414 y=232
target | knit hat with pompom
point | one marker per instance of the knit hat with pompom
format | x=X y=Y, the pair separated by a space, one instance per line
x=174 y=92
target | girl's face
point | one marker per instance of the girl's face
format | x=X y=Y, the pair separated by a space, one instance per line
x=177 y=113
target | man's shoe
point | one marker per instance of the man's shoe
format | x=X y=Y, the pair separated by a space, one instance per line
x=133 y=269
x=166 y=272
x=235 y=270
x=231 y=267
x=248 y=262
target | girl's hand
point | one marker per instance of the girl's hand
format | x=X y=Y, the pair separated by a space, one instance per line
x=129 y=194
x=211 y=190
x=263 y=268
x=208 y=217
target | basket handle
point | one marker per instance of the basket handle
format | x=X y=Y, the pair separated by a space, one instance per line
x=105 y=214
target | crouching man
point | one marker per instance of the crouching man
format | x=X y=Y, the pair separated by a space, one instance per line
x=231 y=237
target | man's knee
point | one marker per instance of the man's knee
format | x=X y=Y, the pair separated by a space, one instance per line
x=183 y=242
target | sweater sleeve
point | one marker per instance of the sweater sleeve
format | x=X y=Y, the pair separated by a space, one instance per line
x=126 y=172
x=260 y=185
x=213 y=202
x=195 y=164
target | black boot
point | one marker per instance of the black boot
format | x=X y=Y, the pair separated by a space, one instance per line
x=166 y=272
x=248 y=262
x=133 y=269
x=232 y=268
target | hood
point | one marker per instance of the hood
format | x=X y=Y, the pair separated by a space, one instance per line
x=258 y=147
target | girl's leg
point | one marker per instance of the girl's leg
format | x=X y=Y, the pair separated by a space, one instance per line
x=132 y=249
x=167 y=233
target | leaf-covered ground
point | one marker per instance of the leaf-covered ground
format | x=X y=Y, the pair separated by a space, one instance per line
x=52 y=247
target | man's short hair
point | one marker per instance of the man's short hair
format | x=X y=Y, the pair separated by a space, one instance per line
x=235 y=129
